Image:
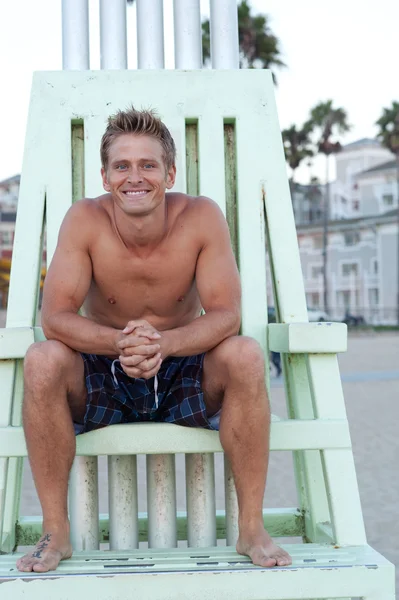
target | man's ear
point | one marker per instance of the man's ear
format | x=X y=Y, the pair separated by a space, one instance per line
x=106 y=185
x=171 y=177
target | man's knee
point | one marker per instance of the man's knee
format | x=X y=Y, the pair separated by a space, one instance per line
x=46 y=361
x=242 y=354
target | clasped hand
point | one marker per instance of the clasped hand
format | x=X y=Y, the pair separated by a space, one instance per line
x=140 y=349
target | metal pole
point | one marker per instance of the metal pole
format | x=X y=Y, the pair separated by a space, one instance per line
x=113 y=38
x=150 y=46
x=231 y=502
x=224 y=34
x=201 y=504
x=123 y=503
x=83 y=503
x=325 y=236
x=75 y=35
x=161 y=501
x=397 y=237
x=188 y=34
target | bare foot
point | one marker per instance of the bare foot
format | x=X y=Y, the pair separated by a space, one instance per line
x=46 y=555
x=259 y=546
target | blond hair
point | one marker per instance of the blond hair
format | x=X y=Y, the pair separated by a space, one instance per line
x=139 y=122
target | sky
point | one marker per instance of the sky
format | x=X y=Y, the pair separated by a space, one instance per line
x=344 y=50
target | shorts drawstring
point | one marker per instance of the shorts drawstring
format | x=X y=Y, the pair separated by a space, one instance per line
x=156 y=390
x=113 y=372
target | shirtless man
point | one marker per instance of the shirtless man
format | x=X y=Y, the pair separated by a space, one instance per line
x=143 y=264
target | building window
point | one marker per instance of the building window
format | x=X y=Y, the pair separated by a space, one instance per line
x=9 y=217
x=355 y=204
x=6 y=238
x=387 y=199
x=343 y=299
x=351 y=238
x=314 y=300
x=374 y=298
x=374 y=266
x=350 y=269
x=318 y=242
x=316 y=271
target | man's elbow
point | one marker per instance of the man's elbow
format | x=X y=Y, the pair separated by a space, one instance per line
x=235 y=324
x=47 y=329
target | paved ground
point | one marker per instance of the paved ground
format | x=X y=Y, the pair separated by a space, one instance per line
x=370 y=372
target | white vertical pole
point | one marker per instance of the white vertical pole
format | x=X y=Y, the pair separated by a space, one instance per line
x=75 y=35
x=113 y=35
x=231 y=505
x=201 y=504
x=123 y=503
x=188 y=34
x=150 y=46
x=224 y=34
x=161 y=501
x=83 y=503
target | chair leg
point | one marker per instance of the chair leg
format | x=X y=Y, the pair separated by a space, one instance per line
x=12 y=503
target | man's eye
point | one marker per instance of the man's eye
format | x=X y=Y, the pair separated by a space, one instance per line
x=148 y=166
x=121 y=167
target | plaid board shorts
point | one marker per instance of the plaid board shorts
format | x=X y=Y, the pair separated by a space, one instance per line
x=173 y=396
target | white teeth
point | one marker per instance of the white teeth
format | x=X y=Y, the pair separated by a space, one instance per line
x=138 y=193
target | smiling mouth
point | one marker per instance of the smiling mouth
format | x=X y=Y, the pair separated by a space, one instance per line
x=136 y=193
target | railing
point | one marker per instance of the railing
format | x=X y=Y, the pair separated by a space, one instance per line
x=150 y=47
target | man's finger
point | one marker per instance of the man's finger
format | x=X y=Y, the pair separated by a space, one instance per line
x=151 y=373
x=150 y=363
x=132 y=341
x=139 y=324
x=138 y=373
x=137 y=359
x=146 y=351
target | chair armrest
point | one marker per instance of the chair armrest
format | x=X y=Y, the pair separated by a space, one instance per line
x=15 y=341
x=308 y=338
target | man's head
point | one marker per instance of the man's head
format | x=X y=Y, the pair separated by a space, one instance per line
x=138 y=161
x=138 y=122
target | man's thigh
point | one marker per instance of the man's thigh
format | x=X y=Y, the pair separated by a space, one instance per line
x=214 y=378
x=76 y=389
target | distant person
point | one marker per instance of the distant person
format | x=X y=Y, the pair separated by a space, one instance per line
x=144 y=263
x=276 y=360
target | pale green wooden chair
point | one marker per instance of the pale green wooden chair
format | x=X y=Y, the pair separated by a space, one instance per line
x=229 y=148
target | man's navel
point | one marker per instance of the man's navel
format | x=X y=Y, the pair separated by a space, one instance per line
x=112 y=300
x=180 y=299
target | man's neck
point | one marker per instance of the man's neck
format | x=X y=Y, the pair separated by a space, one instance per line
x=144 y=232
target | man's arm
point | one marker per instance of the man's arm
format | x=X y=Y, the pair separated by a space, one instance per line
x=66 y=286
x=219 y=288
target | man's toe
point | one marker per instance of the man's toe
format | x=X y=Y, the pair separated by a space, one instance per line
x=266 y=561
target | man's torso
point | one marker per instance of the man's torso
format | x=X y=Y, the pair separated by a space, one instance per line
x=153 y=284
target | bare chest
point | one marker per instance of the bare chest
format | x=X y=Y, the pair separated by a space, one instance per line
x=161 y=284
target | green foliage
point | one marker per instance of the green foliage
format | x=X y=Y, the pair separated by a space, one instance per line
x=327 y=121
x=389 y=128
x=296 y=146
x=259 y=47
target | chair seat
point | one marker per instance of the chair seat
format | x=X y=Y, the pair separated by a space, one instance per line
x=200 y=573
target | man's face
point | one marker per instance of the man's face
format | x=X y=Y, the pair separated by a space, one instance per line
x=136 y=174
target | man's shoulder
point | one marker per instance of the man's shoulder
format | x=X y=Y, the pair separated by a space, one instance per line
x=188 y=206
x=86 y=211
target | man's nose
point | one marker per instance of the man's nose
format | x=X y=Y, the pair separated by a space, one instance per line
x=134 y=175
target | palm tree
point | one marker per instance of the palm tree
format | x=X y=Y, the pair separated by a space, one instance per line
x=259 y=47
x=296 y=148
x=327 y=122
x=389 y=137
